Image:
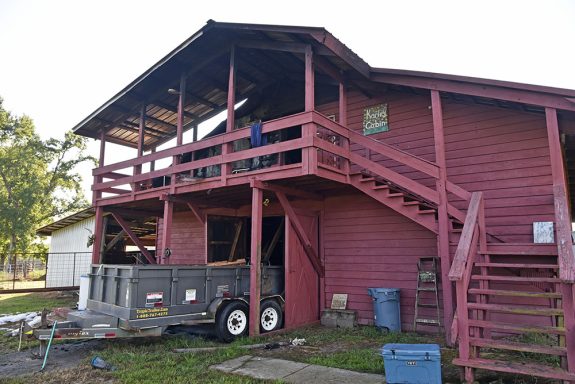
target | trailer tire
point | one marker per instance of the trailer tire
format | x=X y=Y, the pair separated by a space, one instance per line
x=232 y=321
x=271 y=316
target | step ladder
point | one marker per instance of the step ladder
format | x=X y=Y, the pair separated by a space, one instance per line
x=427 y=295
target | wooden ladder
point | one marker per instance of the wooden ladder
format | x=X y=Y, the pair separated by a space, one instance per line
x=427 y=293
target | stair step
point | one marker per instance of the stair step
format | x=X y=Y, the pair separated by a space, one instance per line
x=517 y=310
x=426 y=212
x=521 y=249
x=523 y=279
x=366 y=179
x=513 y=346
x=427 y=321
x=380 y=187
x=517 y=328
x=531 y=369
x=427 y=305
x=396 y=194
x=427 y=289
x=515 y=265
x=501 y=292
x=410 y=203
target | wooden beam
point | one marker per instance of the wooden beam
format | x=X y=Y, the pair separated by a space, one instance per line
x=115 y=240
x=98 y=236
x=442 y=209
x=255 y=260
x=301 y=233
x=136 y=213
x=254 y=183
x=239 y=226
x=201 y=216
x=133 y=237
x=181 y=105
x=480 y=90
x=562 y=212
x=309 y=80
x=166 y=231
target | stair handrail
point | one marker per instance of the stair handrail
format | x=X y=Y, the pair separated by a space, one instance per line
x=472 y=239
x=417 y=163
x=394 y=153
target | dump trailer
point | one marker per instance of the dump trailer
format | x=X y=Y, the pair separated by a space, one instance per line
x=143 y=300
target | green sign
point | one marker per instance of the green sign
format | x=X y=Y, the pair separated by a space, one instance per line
x=375 y=119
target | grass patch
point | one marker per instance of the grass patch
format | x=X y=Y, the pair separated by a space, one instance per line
x=12 y=303
x=362 y=360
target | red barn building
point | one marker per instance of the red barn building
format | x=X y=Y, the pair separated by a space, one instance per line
x=347 y=175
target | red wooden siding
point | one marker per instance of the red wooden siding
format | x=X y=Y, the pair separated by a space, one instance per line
x=368 y=245
x=499 y=151
x=188 y=239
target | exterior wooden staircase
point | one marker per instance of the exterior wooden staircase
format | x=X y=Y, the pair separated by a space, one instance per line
x=514 y=313
x=417 y=210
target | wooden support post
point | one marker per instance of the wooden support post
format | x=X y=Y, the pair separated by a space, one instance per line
x=309 y=80
x=133 y=237
x=562 y=214
x=255 y=260
x=569 y=323
x=309 y=155
x=443 y=218
x=166 y=232
x=98 y=236
x=153 y=162
x=140 y=150
x=343 y=121
x=98 y=179
x=227 y=147
x=181 y=105
x=195 y=133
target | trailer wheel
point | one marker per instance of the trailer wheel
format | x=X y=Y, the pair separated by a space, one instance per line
x=232 y=321
x=271 y=317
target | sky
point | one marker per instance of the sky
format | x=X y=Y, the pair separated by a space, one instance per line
x=60 y=60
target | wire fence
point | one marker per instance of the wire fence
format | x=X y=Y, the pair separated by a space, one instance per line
x=20 y=271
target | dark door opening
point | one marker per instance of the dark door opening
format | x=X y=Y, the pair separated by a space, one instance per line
x=229 y=239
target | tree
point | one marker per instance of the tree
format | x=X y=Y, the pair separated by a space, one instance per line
x=38 y=181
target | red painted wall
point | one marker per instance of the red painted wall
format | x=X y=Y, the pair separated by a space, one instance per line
x=188 y=239
x=502 y=152
x=366 y=244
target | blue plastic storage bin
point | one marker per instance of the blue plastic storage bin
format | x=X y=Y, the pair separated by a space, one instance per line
x=386 y=308
x=412 y=363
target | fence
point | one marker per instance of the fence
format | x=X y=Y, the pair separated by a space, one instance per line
x=20 y=271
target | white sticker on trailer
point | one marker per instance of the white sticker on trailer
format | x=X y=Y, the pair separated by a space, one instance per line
x=154 y=299
x=190 y=294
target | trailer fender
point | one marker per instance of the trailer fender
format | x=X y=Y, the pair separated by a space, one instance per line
x=218 y=303
x=281 y=301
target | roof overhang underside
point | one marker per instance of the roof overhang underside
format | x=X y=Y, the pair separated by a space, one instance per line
x=264 y=54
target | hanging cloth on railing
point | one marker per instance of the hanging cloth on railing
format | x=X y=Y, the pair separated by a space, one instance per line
x=257 y=139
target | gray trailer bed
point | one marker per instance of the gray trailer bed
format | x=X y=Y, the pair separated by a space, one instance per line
x=142 y=300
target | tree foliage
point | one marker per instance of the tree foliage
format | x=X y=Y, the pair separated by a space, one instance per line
x=38 y=180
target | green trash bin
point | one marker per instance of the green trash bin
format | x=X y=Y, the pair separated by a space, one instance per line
x=386 y=308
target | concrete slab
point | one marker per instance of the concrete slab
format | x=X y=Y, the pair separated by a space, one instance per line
x=325 y=375
x=233 y=364
x=293 y=372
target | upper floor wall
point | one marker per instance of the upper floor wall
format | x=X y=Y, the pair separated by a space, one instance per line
x=502 y=152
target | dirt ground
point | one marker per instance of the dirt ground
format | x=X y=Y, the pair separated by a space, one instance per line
x=60 y=357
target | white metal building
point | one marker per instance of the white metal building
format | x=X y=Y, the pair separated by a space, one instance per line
x=70 y=255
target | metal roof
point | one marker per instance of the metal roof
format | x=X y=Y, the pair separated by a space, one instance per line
x=66 y=221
